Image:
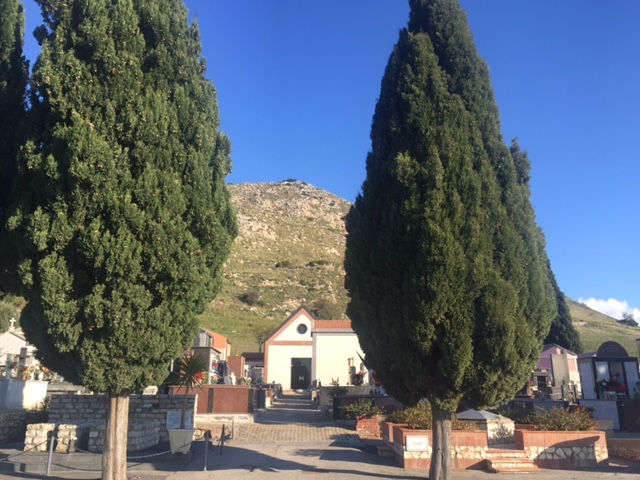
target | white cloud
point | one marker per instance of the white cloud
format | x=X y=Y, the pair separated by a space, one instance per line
x=612 y=307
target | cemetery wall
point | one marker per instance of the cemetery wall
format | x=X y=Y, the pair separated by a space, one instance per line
x=158 y=412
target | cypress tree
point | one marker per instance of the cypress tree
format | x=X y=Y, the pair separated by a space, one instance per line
x=124 y=213
x=562 y=331
x=446 y=269
x=13 y=83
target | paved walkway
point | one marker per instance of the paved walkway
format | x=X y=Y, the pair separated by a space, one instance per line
x=289 y=441
x=293 y=418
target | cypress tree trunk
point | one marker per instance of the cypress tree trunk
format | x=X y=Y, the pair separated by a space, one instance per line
x=441 y=451
x=114 y=457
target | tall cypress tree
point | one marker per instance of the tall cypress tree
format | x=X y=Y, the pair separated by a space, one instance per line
x=562 y=331
x=13 y=83
x=124 y=212
x=450 y=293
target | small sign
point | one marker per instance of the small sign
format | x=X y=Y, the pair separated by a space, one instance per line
x=417 y=444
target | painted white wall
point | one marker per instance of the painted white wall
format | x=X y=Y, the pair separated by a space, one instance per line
x=291 y=334
x=331 y=354
x=279 y=362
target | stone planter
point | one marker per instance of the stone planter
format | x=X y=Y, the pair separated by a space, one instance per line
x=369 y=428
x=180 y=440
x=412 y=448
x=551 y=449
x=386 y=430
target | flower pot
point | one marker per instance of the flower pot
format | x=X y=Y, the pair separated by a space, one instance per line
x=180 y=440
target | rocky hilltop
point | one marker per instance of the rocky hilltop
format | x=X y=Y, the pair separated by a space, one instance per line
x=289 y=252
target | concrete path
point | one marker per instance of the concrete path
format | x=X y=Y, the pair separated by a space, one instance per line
x=289 y=441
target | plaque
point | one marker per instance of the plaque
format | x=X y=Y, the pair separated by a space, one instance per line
x=417 y=444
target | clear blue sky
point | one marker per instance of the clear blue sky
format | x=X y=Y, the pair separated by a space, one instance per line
x=298 y=81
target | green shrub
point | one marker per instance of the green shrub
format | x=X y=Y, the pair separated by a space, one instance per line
x=518 y=415
x=363 y=408
x=421 y=418
x=338 y=391
x=563 y=419
x=250 y=297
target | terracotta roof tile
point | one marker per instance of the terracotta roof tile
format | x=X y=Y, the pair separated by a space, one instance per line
x=332 y=325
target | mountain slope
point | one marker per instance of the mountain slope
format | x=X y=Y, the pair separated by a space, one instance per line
x=289 y=252
x=595 y=328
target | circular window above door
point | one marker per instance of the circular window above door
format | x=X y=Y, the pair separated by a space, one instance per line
x=302 y=328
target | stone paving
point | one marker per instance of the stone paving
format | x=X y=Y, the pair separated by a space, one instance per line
x=293 y=418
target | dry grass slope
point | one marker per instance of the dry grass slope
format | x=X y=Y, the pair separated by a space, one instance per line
x=595 y=328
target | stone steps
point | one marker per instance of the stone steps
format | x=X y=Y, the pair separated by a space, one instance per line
x=509 y=460
x=511 y=465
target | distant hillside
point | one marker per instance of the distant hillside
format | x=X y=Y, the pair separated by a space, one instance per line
x=290 y=251
x=595 y=328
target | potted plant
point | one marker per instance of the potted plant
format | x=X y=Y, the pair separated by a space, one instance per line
x=192 y=370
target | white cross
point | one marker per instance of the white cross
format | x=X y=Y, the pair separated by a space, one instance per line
x=12 y=322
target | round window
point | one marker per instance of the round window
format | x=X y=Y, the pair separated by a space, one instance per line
x=302 y=328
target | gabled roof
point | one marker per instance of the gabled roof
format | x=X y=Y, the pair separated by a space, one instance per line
x=292 y=318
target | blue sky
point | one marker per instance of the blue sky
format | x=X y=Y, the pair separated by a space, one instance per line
x=297 y=84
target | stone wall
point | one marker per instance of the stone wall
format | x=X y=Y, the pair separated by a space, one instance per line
x=81 y=420
x=13 y=424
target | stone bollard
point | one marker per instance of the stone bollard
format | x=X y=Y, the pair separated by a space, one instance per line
x=37 y=436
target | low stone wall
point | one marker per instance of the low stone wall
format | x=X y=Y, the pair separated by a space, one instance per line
x=87 y=436
x=37 y=436
x=141 y=435
x=13 y=426
x=563 y=449
x=93 y=409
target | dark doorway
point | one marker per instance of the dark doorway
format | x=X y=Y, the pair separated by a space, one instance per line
x=300 y=373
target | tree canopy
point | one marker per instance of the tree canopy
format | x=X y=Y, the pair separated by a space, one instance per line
x=123 y=210
x=446 y=266
x=13 y=84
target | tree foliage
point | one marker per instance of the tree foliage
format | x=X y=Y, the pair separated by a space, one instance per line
x=124 y=215
x=562 y=331
x=13 y=83
x=628 y=320
x=446 y=267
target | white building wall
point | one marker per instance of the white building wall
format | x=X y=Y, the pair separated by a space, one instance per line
x=292 y=334
x=332 y=352
x=279 y=362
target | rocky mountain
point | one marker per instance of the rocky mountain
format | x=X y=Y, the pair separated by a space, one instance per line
x=289 y=252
